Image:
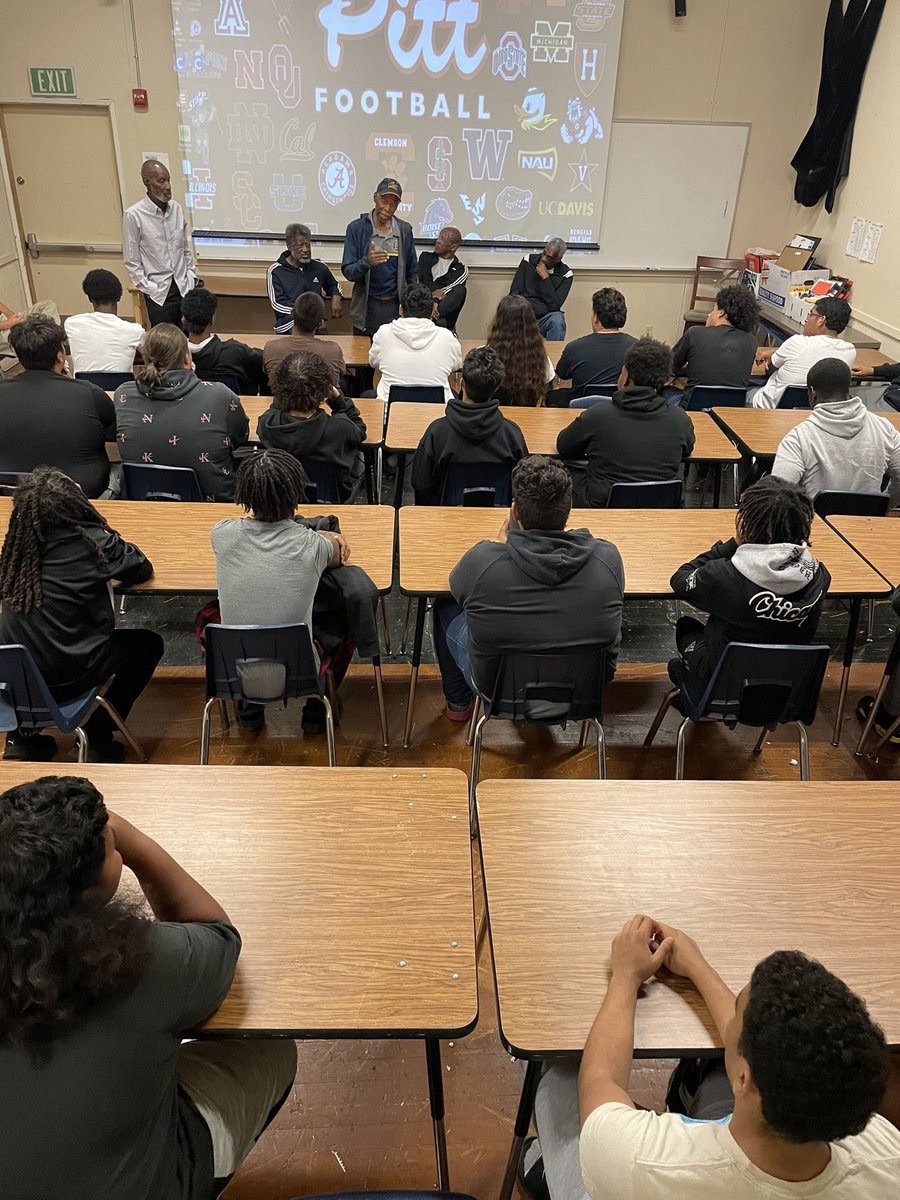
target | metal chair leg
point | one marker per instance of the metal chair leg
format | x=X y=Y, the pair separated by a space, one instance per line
x=223 y=716
x=330 y=689
x=680 y=748
x=204 y=733
x=476 y=713
x=757 y=749
x=82 y=744
x=601 y=751
x=379 y=692
x=406 y=620
x=870 y=620
x=123 y=605
x=329 y=731
x=870 y=719
x=476 y=767
x=887 y=735
x=661 y=712
x=737 y=483
x=804 y=750
x=126 y=733
x=585 y=729
x=385 y=627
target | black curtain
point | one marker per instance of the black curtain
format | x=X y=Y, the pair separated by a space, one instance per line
x=822 y=160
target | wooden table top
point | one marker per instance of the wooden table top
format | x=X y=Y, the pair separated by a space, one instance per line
x=371 y=411
x=653 y=544
x=760 y=430
x=351 y=888
x=356 y=349
x=541 y=427
x=877 y=539
x=746 y=869
x=175 y=537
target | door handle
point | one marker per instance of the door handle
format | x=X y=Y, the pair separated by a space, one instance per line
x=35 y=247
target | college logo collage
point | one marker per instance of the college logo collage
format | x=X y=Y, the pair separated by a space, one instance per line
x=486 y=175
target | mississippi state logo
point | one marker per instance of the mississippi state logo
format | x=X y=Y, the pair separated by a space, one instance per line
x=337 y=177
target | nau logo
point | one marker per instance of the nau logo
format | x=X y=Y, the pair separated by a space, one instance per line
x=544 y=162
x=231 y=21
x=487 y=152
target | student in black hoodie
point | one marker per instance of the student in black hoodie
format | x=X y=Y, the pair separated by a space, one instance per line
x=231 y=362
x=537 y=587
x=637 y=438
x=58 y=560
x=763 y=585
x=298 y=423
x=473 y=429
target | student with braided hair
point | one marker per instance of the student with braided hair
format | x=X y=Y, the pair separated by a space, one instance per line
x=763 y=585
x=58 y=560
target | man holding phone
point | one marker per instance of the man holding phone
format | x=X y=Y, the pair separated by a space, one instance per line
x=379 y=260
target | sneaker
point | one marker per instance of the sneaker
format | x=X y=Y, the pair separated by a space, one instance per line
x=533 y=1180
x=312 y=719
x=29 y=747
x=250 y=716
x=461 y=714
x=883 y=720
x=106 y=752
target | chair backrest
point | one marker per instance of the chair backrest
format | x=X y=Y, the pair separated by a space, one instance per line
x=152 y=481
x=795 y=396
x=765 y=685
x=549 y=688
x=597 y=395
x=704 y=397
x=478 y=485
x=663 y=494
x=10 y=480
x=108 y=380
x=324 y=477
x=416 y=393
x=24 y=696
x=261 y=663
x=851 y=504
x=231 y=381
x=712 y=274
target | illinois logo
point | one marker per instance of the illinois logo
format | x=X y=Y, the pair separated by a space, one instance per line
x=337 y=177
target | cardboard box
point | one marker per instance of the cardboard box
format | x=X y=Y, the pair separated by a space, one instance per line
x=800 y=305
x=757 y=258
x=777 y=287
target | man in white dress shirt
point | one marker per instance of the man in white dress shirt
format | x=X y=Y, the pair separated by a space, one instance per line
x=157 y=247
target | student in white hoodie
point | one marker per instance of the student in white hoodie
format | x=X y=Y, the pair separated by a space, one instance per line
x=789 y=363
x=412 y=349
x=841 y=446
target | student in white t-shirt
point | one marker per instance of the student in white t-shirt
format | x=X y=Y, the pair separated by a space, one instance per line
x=101 y=340
x=790 y=1113
x=788 y=364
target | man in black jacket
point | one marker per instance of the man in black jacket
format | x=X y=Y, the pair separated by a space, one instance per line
x=545 y=281
x=636 y=437
x=441 y=270
x=889 y=372
x=537 y=587
x=215 y=361
x=473 y=429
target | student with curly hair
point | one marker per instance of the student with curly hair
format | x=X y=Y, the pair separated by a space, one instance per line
x=99 y=1095
x=793 y=1109
x=58 y=560
x=515 y=338
x=597 y=359
x=299 y=423
x=720 y=353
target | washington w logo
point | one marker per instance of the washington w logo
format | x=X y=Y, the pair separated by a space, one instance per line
x=487 y=149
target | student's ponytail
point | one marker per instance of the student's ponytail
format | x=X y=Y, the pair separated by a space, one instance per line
x=163 y=349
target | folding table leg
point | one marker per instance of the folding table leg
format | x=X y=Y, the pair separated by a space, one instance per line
x=849 y=647
x=436 y=1098
x=421 y=609
x=717 y=484
x=379 y=692
x=523 y=1121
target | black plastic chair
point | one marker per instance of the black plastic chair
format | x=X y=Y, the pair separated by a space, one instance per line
x=261 y=664
x=796 y=396
x=598 y=392
x=26 y=703
x=548 y=688
x=851 y=504
x=890 y=667
x=705 y=397
x=10 y=480
x=664 y=494
x=415 y=393
x=757 y=685
x=478 y=485
x=231 y=382
x=323 y=477
x=108 y=380
x=149 y=481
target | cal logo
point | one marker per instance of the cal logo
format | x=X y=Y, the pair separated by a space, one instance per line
x=544 y=162
x=231 y=21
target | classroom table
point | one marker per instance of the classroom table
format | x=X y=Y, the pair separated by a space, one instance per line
x=565 y=868
x=758 y=432
x=653 y=544
x=356 y=349
x=351 y=888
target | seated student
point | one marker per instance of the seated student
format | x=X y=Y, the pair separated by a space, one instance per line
x=269 y=563
x=441 y=270
x=841 y=446
x=309 y=312
x=720 y=353
x=100 y=1095
x=101 y=340
x=635 y=438
x=763 y=585
x=788 y=364
x=59 y=558
x=298 y=423
x=596 y=359
x=9 y=363
x=515 y=338
x=48 y=417
x=792 y=1111
x=230 y=362
x=539 y=586
x=473 y=430
x=296 y=274
x=171 y=418
x=412 y=349
x=890 y=374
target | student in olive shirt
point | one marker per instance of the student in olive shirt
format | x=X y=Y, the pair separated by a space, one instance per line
x=721 y=352
x=597 y=358
x=99 y=1097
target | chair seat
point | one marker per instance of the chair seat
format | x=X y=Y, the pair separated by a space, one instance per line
x=696 y=316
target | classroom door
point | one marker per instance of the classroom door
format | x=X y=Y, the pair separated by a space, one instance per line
x=12 y=282
x=65 y=177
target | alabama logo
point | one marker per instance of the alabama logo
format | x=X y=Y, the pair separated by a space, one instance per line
x=337 y=177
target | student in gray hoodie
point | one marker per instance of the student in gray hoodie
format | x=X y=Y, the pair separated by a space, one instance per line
x=841 y=446
x=763 y=585
x=539 y=586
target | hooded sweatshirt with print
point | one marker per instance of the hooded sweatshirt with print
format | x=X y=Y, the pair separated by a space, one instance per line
x=322 y=438
x=413 y=350
x=841 y=447
x=541 y=589
x=770 y=594
x=467 y=433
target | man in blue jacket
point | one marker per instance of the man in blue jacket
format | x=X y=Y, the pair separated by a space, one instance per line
x=379 y=260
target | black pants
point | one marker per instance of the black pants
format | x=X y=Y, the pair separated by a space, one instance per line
x=380 y=311
x=132 y=659
x=170 y=309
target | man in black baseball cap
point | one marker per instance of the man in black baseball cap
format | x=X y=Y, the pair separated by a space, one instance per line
x=379 y=260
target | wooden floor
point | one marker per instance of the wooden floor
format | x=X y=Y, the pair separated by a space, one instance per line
x=358 y=1116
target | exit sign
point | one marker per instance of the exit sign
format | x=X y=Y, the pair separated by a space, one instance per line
x=52 y=81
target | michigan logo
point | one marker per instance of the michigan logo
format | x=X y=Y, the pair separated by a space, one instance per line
x=552 y=43
x=337 y=177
